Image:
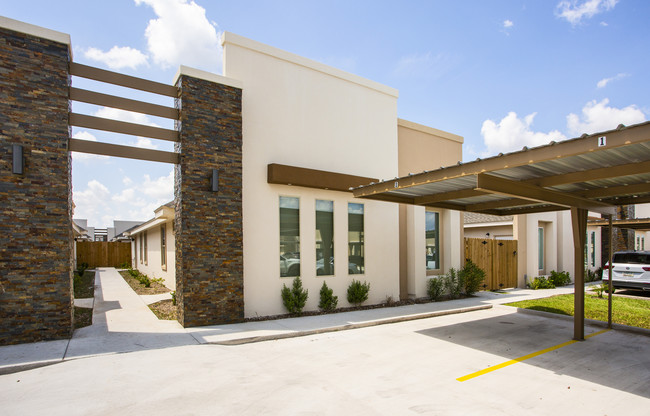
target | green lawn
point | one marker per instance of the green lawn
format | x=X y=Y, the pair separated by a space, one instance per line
x=626 y=311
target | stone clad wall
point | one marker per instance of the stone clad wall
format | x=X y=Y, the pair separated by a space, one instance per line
x=35 y=216
x=208 y=225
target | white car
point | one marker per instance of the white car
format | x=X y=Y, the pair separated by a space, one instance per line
x=289 y=265
x=631 y=270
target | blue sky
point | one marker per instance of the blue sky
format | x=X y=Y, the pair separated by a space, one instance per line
x=502 y=74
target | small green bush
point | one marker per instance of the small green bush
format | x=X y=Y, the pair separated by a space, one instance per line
x=454 y=283
x=559 y=278
x=592 y=276
x=435 y=287
x=541 y=283
x=173 y=297
x=358 y=292
x=328 y=301
x=81 y=268
x=472 y=277
x=294 y=299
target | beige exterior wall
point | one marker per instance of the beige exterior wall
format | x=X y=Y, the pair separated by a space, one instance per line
x=153 y=266
x=425 y=148
x=496 y=231
x=301 y=113
x=558 y=244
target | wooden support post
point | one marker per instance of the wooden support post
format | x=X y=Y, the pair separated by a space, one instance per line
x=611 y=286
x=579 y=225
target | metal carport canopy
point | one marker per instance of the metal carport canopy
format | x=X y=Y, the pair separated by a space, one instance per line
x=594 y=172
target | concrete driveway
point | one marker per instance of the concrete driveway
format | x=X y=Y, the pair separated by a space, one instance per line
x=403 y=368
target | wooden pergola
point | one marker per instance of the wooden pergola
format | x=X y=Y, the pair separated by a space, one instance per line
x=594 y=173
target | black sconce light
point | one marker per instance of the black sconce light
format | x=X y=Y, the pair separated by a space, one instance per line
x=214 y=182
x=19 y=160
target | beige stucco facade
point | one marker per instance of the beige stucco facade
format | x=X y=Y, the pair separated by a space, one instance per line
x=554 y=248
x=425 y=148
x=147 y=247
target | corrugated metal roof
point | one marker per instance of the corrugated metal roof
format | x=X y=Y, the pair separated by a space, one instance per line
x=575 y=169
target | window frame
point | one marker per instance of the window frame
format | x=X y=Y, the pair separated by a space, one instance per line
x=437 y=271
x=316 y=229
x=280 y=236
x=362 y=238
x=163 y=246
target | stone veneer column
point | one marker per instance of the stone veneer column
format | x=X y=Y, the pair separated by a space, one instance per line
x=35 y=209
x=208 y=225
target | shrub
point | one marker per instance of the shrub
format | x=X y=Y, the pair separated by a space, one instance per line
x=81 y=268
x=294 y=299
x=559 y=278
x=358 y=292
x=541 y=283
x=592 y=276
x=173 y=297
x=472 y=277
x=328 y=301
x=435 y=287
x=454 y=283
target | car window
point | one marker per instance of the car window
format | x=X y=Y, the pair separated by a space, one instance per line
x=632 y=258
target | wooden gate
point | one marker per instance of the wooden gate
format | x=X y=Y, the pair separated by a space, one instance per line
x=103 y=254
x=497 y=257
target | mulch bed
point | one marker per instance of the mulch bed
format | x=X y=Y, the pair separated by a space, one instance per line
x=164 y=310
x=84 y=286
x=82 y=317
x=388 y=304
x=155 y=288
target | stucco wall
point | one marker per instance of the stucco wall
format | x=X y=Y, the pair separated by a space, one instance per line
x=153 y=268
x=301 y=113
x=425 y=148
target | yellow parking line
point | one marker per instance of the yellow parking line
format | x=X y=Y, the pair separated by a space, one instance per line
x=525 y=357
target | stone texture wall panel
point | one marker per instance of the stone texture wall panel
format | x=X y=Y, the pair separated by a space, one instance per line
x=35 y=213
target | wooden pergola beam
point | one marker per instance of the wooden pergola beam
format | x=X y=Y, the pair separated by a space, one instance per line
x=494 y=184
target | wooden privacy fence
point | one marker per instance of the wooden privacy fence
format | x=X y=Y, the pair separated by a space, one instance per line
x=498 y=258
x=103 y=254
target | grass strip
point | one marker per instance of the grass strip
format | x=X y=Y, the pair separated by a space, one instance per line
x=625 y=311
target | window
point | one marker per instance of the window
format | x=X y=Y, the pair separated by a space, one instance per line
x=163 y=247
x=140 y=238
x=289 y=236
x=432 y=240
x=638 y=243
x=355 y=239
x=324 y=238
x=540 y=248
x=593 y=249
x=144 y=236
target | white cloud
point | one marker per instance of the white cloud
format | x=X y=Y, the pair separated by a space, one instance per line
x=135 y=201
x=507 y=24
x=604 y=24
x=603 y=82
x=598 y=116
x=182 y=34
x=123 y=115
x=118 y=57
x=513 y=133
x=145 y=143
x=574 y=12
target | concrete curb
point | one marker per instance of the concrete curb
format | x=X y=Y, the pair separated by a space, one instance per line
x=17 y=368
x=249 y=340
x=591 y=322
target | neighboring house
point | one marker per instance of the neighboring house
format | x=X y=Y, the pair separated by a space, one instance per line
x=642 y=237
x=153 y=245
x=116 y=232
x=89 y=234
x=544 y=240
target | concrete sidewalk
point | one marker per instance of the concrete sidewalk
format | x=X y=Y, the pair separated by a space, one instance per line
x=122 y=322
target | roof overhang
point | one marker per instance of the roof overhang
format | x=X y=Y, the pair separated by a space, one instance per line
x=639 y=224
x=594 y=172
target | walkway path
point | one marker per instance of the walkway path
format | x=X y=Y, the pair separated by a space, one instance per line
x=122 y=322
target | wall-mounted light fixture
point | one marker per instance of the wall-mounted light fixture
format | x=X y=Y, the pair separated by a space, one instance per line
x=214 y=182
x=19 y=160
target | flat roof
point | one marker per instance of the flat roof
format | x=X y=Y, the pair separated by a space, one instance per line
x=594 y=172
